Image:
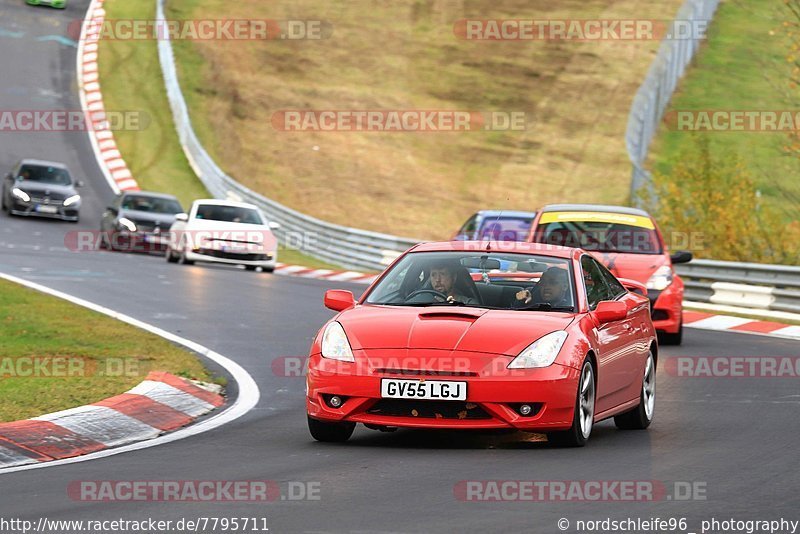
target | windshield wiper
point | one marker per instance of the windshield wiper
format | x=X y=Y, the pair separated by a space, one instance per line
x=545 y=306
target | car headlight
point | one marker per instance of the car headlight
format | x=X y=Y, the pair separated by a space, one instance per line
x=540 y=353
x=20 y=194
x=127 y=224
x=335 y=345
x=71 y=200
x=660 y=279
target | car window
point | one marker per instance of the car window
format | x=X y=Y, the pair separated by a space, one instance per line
x=469 y=227
x=597 y=289
x=614 y=285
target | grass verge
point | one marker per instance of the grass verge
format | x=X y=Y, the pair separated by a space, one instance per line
x=92 y=356
x=743 y=67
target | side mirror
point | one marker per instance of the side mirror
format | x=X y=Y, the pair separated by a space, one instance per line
x=183 y=217
x=339 y=299
x=80 y=183
x=112 y=209
x=682 y=256
x=633 y=286
x=274 y=225
x=9 y=176
x=610 y=310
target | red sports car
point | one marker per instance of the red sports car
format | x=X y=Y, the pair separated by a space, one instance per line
x=486 y=335
x=629 y=243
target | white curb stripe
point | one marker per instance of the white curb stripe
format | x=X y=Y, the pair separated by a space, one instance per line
x=11 y=458
x=789 y=331
x=720 y=322
x=172 y=397
x=102 y=424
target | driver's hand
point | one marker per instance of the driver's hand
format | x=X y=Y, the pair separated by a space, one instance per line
x=524 y=295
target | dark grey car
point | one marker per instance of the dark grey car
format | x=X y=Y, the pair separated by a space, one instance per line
x=139 y=221
x=41 y=189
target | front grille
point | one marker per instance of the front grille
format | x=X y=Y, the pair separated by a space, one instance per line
x=428 y=409
x=423 y=372
x=241 y=256
x=53 y=199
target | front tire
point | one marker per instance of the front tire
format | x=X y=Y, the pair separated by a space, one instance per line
x=330 y=432
x=583 y=417
x=640 y=417
x=171 y=257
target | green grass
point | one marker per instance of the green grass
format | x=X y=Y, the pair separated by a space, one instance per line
x=35 y=327
x=130 y=78
x=743 y=66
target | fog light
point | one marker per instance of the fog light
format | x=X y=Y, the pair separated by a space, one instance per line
x=525 y=409
x=335 y=401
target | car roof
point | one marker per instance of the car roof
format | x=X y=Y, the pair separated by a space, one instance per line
x=149 y=194
x=506 y=213
x=219 y=202
x=595 y=208
x=514 y=247
x=42 y=163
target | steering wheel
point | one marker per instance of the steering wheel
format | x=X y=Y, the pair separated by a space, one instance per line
x=428 y=291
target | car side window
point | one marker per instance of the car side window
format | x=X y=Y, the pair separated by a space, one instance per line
x=469 y=227
x=597 y=289
x=614 y=285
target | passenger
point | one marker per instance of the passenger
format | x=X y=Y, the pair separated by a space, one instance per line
x=553 y=289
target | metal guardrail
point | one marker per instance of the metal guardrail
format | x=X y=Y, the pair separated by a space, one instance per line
x=350 y=247
x=744 y=285
x=654 y=94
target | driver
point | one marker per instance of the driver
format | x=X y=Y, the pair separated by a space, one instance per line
x=553 y=289
x=443 y=279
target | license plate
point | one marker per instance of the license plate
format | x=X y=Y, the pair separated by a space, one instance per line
x=46 y=209
x=424 y=390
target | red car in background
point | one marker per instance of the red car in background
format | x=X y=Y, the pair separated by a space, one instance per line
x=485 y=335
x=628 y=242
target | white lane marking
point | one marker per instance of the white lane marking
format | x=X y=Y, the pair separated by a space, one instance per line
x=249 y=393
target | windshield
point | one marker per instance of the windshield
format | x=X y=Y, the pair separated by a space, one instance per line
x=478 y=279
x=602 y=232
x=215 y=212
x=151 y=204
x=44 y=175
x=505 y=228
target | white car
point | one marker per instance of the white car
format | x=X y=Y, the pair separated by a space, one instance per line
x=223 y=231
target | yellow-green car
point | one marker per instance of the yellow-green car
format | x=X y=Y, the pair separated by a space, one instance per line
x=60 y=4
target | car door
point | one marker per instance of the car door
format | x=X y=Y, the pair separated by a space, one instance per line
x=613 y=340
x=637 y=344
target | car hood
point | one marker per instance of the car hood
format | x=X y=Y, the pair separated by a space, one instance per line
x=445 y=328
x=164 y=220
x=41 y=188
x=638 y=267
x=233 y=231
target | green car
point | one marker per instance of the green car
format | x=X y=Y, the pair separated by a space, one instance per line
x=60 y=4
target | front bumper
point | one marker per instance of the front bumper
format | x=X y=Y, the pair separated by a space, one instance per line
x=666 y=307
x=265 y=260
x=492 y=398
x=53 y=210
